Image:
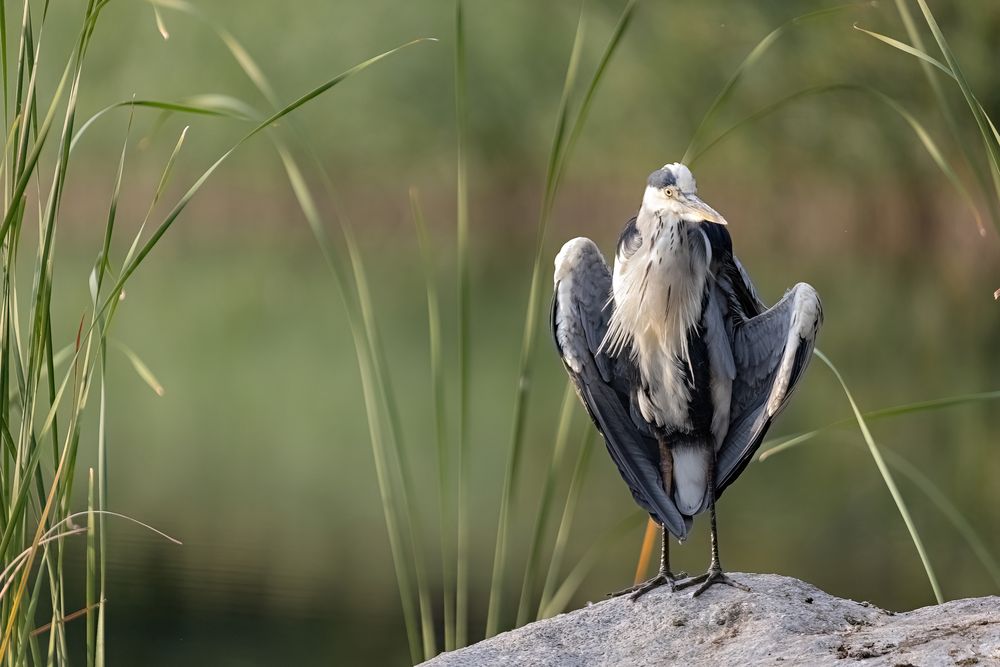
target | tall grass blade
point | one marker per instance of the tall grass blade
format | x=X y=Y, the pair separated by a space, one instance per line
x=172 y=216
x=140 y=368
x=161 y=186
x=387 y=490
x=398 y=463
x=445 y=497
x=751 y=59
x=26 y=169
x=890 y=483
x=566 y=412
x=952 y=513
x=588 y=98
x=527 y=343
x=778 y=445
x=242 y=56
x=560 y=600
x=364 y=330
x=918 y=42
x=906 y=48
x=408 y=507
x=3 y=62
x=978 y=113
x=161 y=27
x=39 y=343
x=534 y=297
x=558 y=146
x=462 y=344
x=222 y=106
x=566 y=522
x=992 y=148
x=907 y=469
x=927 y=62
x=97 y=634
x=36 y=541
x=91 y=573
x=922 y=134
x=929 y=489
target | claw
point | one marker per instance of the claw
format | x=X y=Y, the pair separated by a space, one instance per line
x=655 y=582
x=710 y=578
x=661 y=579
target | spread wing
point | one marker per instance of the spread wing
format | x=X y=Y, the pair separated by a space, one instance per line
x=771 y=349
x=580 y=313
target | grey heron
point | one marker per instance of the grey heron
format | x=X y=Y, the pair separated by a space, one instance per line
x=680 y=364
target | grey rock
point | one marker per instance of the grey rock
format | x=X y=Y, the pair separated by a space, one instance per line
x=782 y=621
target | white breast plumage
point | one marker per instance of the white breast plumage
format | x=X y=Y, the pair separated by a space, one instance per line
x=658 y=292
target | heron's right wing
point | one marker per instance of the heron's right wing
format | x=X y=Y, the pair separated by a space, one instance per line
x=580 y=314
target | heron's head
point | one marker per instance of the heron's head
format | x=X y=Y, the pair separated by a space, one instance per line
x=671 y=189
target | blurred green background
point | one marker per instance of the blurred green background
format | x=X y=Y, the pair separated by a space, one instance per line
x=257 y=455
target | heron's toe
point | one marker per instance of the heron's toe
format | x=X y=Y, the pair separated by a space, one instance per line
x=708 y=580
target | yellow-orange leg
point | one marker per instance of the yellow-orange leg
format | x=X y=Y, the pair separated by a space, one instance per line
x=645 y=553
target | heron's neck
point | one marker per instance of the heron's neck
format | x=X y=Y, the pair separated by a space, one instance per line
x=668 y=236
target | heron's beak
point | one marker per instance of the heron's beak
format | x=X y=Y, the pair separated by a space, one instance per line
x=696 y=208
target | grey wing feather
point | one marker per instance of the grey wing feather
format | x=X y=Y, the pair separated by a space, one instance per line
x=771 y=350
x=746 y=286
x=580 y=313
x=719 y=346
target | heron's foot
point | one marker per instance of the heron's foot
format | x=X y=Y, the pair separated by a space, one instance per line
x=662 y=578
x=713 y=576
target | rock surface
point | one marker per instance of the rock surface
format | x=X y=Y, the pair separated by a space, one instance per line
x=783 y=621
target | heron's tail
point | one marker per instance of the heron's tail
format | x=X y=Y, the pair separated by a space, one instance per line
x=691 y=469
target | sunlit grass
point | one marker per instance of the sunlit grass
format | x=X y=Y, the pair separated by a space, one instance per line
x=42 y=413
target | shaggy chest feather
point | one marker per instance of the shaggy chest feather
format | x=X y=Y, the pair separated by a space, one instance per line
x=658 y=293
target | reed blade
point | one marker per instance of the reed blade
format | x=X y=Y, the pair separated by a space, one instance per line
x=887 y=477
x=521 y=393
x=445 y=495
x=566 y=521
x=528 y=586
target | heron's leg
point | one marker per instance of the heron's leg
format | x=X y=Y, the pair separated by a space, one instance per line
x=714 y=574
x=664 y=577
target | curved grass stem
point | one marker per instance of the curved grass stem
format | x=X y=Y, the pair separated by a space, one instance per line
x=890 y=482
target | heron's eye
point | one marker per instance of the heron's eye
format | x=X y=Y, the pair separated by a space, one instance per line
x=669 y=192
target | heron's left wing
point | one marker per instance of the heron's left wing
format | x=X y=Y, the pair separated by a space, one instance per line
x=771 y=350
x=580 y=314
x=731 y=277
